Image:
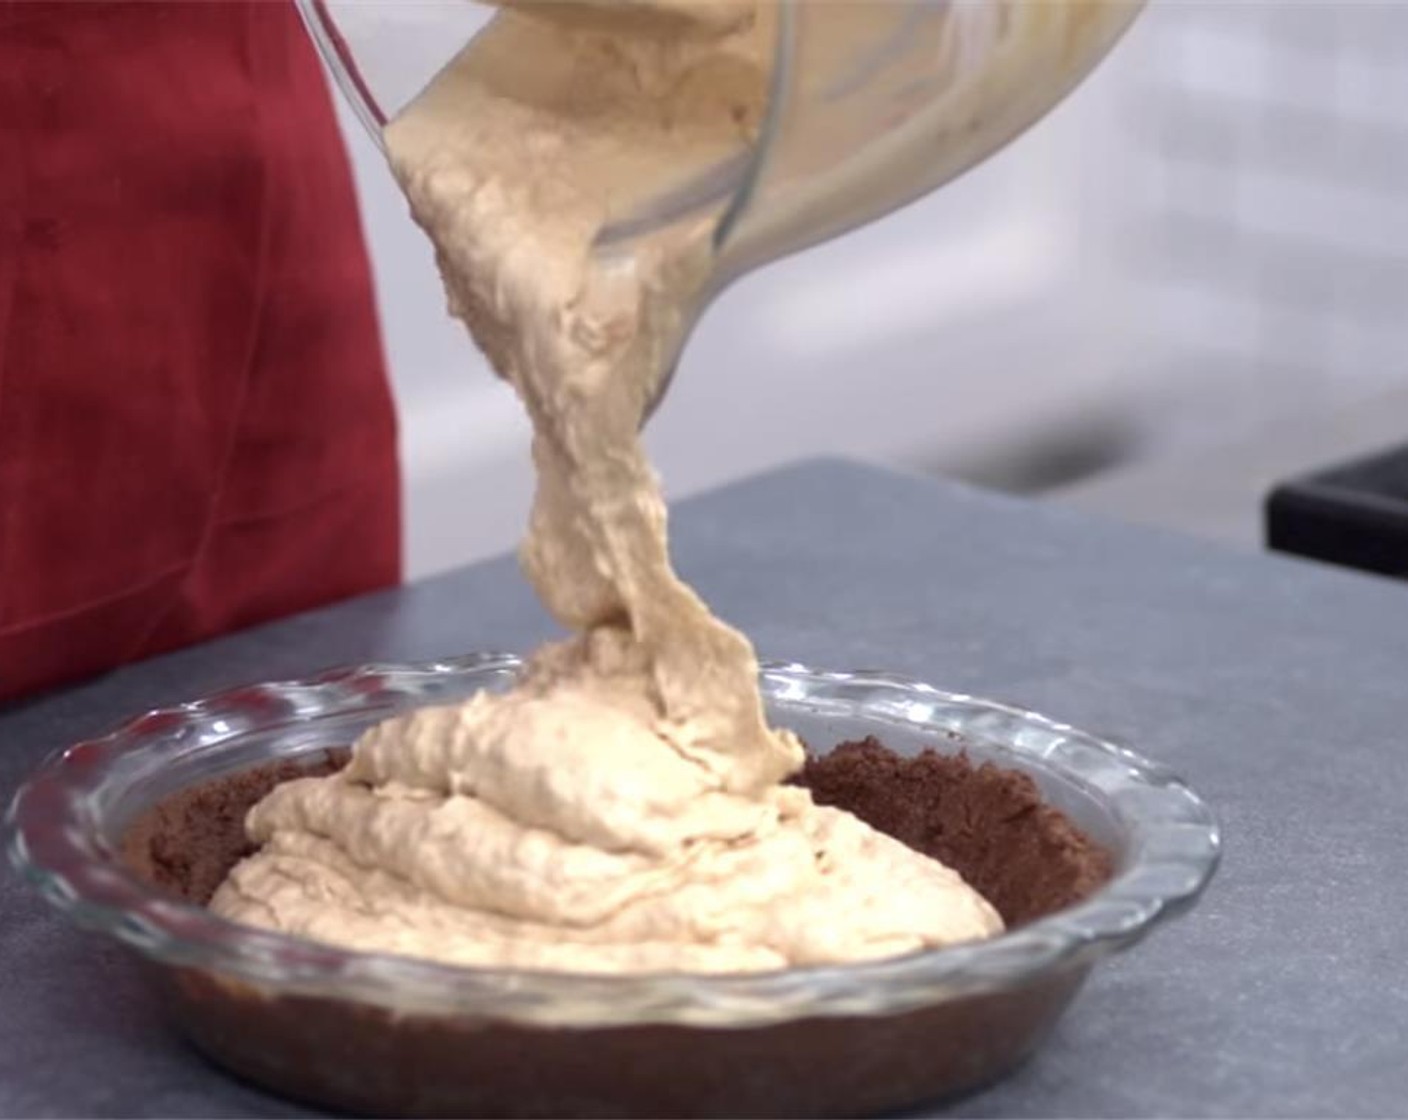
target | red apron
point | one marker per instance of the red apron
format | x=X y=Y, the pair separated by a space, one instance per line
x=196 y=432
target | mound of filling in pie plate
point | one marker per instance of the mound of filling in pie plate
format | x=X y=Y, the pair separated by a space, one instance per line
x=626 y=807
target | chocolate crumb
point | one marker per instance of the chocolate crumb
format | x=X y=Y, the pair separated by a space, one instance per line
x=988 y=823
x=187 y=843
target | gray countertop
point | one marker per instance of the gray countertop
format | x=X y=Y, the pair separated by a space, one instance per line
x=1278 y=688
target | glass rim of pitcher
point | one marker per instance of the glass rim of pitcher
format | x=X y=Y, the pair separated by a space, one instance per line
x=728 y=184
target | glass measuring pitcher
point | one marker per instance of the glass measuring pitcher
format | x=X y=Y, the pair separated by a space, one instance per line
x=872 y=103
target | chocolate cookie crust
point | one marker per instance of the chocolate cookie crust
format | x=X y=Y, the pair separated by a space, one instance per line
x=988 y=823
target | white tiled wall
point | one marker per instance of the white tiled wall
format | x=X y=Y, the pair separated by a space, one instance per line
x=1270 y=225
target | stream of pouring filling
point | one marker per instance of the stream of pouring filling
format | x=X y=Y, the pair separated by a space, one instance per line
x=621 y=809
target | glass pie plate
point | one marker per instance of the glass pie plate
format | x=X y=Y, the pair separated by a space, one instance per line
x=383 y=1034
